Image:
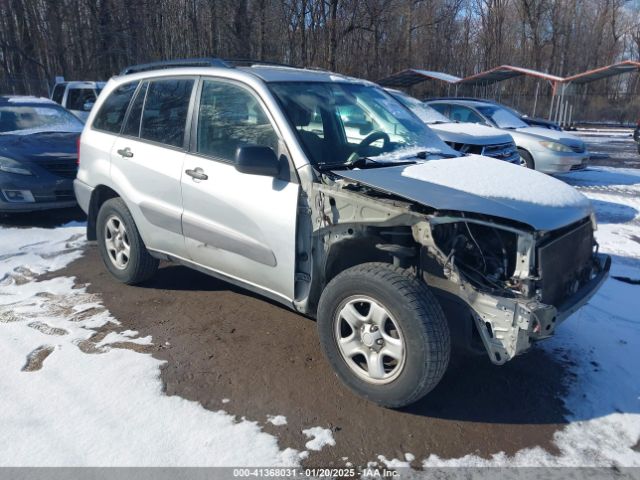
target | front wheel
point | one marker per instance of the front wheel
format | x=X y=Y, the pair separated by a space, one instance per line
x=121 y=247
x=526 y=160
x=384 y=334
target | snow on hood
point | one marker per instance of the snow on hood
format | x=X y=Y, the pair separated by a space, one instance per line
x=547 y=133
x=471 y=133
x=482 y=185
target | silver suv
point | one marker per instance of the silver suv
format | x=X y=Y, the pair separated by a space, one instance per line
x=398 y=245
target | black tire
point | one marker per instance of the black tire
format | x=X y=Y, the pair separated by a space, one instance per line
x=419 y=316
x=140 y=265
x=527 y=158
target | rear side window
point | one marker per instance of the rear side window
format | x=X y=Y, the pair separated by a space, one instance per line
x=464 y=115
x=132 y=127
x=440 y=107
x=77 y=97
x=165 y=111
x=111 y=114
x=58 y=93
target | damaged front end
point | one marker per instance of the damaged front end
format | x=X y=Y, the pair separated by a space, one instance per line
x=518 y=284
x=515 y=284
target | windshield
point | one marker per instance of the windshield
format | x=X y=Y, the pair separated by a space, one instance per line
x=338 y=123
x=28 y=119
x=502 y=117
x=424 y=112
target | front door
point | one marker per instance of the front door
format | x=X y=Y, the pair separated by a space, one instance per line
x=238 y=224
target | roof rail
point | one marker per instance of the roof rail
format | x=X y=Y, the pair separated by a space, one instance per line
x=249 y=62
x=200 y=62
x=181 y=62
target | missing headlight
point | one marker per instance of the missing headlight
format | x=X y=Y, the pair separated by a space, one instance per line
x=485 y=255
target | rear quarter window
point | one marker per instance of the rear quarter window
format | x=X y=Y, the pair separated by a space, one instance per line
x=113 y=110
x=58 y=93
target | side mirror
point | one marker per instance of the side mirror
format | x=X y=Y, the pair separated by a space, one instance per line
x=257 y=160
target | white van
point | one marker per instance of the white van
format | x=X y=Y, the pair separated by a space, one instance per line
x=77 y=97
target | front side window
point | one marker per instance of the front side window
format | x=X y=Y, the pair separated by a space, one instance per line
x=338 y=123
x=229 y=117
x=113 y=110
x=28 y=119
x=165 y=111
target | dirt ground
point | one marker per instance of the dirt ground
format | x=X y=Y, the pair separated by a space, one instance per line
x=220 y=342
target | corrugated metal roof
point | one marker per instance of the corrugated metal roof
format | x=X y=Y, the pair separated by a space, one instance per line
x=505 y=72
x=411 y=76
x=604 y=72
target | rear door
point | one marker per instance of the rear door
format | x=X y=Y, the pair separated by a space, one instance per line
x=238 y=224
x=147 y=158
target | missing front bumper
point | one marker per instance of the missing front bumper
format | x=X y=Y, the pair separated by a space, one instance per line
x=509 y=326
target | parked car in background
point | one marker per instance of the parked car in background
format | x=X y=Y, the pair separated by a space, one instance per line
x=549 y=151
x=38 y=154
x=396 y=243
x=531 y=121
x=77 y=97
x=462 y=137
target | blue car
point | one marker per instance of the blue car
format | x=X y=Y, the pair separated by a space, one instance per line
x=38 y=154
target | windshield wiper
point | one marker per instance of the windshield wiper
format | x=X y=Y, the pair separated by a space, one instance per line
x=363 y=162
x=426 y=153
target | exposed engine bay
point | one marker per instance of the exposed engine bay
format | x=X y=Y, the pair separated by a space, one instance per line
x=513 y=284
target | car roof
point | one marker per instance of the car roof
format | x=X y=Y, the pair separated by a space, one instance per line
x=468 y=103
x=270 y=73
x=25 y=100
x=265 y=71
x=84 y=84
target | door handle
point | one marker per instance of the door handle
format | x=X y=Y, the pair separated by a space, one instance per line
x=197 y=174
x=125 y=152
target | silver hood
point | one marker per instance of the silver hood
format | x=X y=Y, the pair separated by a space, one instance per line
x=481 y=185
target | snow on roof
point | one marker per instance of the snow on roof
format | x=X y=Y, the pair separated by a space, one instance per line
x=604 y=72
x=25 y=99
x=505 y=72
x=411 y=76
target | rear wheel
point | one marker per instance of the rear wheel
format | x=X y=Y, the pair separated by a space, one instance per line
x=121 y=247
x=526 y=160
x=384 y=334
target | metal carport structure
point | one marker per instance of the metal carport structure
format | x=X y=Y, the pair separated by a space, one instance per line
x=412 y=76
x=506 y=72
x=560 y=109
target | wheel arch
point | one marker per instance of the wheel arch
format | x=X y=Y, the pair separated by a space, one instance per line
x=100 y=194
x=522 y=150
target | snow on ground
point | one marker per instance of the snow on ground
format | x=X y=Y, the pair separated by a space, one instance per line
x=70 y=399
x=603 y=338
x=604 y=133
x=319 y=438
x=277 y=420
